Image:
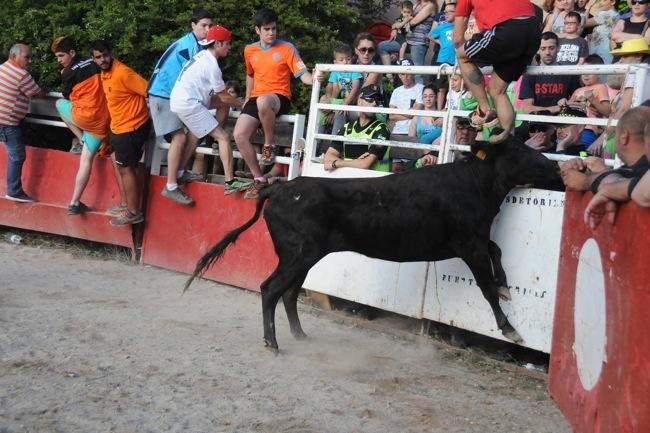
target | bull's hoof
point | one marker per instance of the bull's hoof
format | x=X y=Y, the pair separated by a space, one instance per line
x=272 y=347
x=299 y=335
x=513 y=336
x=504 y=293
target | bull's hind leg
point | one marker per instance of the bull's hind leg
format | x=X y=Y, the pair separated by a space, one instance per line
x=499 y=273
x=285 y=282
x=480 y=264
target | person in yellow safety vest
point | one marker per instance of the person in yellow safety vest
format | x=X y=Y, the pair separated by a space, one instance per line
x=368 y=125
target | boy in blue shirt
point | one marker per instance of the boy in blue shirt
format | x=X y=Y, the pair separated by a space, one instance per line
x=342 y=88
x=165 y=122
x=442 y=35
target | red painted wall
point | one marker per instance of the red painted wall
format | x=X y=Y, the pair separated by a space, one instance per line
x=177 y=236
x=48 y=176
x=619 y=402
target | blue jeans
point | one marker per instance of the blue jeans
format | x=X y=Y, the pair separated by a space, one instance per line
x=387 y=47
x=12 y=137
x=418 y=52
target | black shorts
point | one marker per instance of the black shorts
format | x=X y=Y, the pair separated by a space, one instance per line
x=509 y=47
x=129 y=146
x=250 y=107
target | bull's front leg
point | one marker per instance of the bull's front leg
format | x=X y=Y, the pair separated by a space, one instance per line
x=290 y=300
x=499 y=274
x=480 y=264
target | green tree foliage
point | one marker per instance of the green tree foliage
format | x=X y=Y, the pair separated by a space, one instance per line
x=141 y=30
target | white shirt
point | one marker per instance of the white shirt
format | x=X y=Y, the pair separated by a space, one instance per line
x=630 y=81
x=405 y=98
x=199 y=80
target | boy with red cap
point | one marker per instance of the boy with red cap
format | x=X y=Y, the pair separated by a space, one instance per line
x=509 y=38
x=199 y=87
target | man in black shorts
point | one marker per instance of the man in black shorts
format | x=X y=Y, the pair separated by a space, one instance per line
x=509 y=38
x=126 y=93
x=270 y=62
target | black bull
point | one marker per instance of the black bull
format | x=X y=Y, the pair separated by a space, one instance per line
x=428 y=214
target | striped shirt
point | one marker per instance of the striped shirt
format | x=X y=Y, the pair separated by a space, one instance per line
x=16 y=87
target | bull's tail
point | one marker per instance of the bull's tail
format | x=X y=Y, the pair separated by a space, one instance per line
x=217 y=251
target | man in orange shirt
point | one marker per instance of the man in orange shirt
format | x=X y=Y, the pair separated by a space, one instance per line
x=125 y=94
x=83 y=109
x=270 y=62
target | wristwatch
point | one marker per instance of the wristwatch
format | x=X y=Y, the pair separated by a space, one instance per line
x=334 y=163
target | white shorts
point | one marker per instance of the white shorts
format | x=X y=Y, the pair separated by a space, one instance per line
x=199 y=121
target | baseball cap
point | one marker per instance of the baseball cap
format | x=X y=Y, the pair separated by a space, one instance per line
x=371 y=94
x=405 y=62
x=216 y=33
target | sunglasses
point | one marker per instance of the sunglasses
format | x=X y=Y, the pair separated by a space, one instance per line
x=463 y=127
x=566 y=23
x=537 y=128
x=366 y=50
x=638 y=2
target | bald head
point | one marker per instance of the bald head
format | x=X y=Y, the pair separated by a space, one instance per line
x=21 y=54
x=634 y=122
x=630 y=134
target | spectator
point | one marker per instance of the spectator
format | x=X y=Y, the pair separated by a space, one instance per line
x=508 y=40
x=394 y=48
x=83 y=109
x=572 y=49
x=167 y=124
x=269 y=65
x=633 y=27
x=464 y=134
x=456 y=93
x=126 y=93
x=635 y=187
x=592 y=174
x=404 y=97
x=417 y=40
x=632 y=51
x=554 y=21
x=569 y=135
x=16 y=87
x=234 y=89
x=547 y=94
x=540 y=136
x=603 y=24
x=342 y=88
x=593 y=99
x=199 y=87
x=364 y=48
x=426 y=128
x=442 y=35
x=367 y=126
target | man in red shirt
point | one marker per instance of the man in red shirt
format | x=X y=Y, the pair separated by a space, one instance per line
x=508 y=38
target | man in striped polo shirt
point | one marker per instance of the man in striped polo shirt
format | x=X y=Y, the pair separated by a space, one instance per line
x=16 y=87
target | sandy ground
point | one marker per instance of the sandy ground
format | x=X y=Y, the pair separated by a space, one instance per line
x=104 y=346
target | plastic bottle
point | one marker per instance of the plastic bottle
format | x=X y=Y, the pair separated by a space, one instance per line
x=13 y=238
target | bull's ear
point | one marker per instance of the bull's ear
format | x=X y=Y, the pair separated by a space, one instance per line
x=480 y=150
